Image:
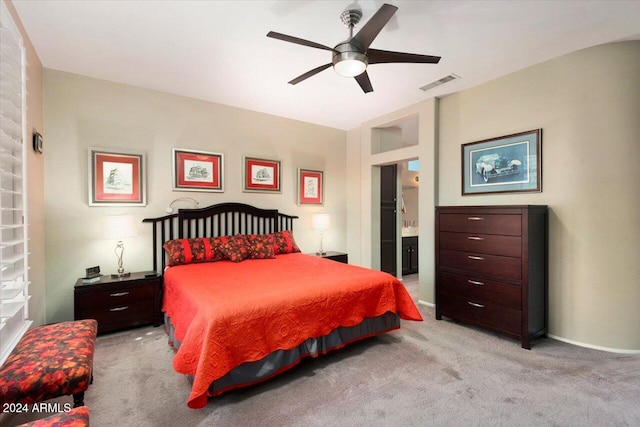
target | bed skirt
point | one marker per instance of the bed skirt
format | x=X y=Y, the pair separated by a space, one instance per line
x=250 y=373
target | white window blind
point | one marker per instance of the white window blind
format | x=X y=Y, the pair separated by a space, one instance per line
x=14 y=282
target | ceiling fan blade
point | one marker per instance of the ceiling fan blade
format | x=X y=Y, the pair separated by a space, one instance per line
x=309 y=74
x=364 y=82
x=372 y=28
x=296 y=40
x=376 y=56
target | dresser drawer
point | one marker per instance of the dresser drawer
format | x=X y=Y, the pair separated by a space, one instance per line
x=508 y=225
x=479 y=289
x=486 y=265
x=122 y=316
x=491 y=244
x=117 y=296
x=480 y=313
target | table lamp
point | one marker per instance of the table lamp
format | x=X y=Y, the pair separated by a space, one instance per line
x=321 y=222
x=118 y=227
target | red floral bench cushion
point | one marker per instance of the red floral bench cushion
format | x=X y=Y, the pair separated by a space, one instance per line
x=49 y=361
x=77 y=417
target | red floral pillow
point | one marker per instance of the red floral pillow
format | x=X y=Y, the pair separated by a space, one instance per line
x=260 y=246
x=186 y=251
x=235 y=248
x=284 y=243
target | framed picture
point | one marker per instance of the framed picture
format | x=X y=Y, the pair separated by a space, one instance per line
x=116 y=178
x=197 y=171
x=507 y=164
x=310 y=187
x=261 y=175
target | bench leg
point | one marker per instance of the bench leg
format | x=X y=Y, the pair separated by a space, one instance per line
x=78 y=399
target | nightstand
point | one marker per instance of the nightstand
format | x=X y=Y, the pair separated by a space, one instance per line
x=120 y=303
x=335 y=256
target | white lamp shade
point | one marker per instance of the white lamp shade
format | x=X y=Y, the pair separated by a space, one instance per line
x=118 y=227
x=350 y=67
x=320 y=221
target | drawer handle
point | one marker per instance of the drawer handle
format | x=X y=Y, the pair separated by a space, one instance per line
x=475 y=218
x=475 y=238
x=119 y=294
x=479 y=258
x=475 y=304
x=119 y=308
x=475 y=282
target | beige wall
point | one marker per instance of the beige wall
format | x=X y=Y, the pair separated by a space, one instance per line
x=354 y=191
x=588 y=105
x=82 y=112
x=35 y=177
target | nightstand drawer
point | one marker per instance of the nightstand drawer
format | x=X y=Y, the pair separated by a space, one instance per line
x=117 y=296
x=122 y=316
x=344 y=258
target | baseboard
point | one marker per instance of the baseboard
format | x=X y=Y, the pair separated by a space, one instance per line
x=428 y=304
x=595 y=347
x=568 y=341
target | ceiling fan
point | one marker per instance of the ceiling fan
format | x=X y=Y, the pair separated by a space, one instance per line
x=352 y=56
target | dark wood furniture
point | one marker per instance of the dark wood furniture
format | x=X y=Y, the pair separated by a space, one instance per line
x=335 y=256
x=119 y=304
x=491 y=268
x=409 y=255
x=388 y=212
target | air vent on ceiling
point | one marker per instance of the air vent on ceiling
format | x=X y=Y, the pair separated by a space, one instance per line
x=440 y=82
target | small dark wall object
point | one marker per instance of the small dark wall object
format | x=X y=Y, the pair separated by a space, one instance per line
x=37 y=142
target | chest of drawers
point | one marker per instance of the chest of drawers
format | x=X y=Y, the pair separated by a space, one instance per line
x=491 y=268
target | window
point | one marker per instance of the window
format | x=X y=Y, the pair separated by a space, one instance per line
x=14 y=283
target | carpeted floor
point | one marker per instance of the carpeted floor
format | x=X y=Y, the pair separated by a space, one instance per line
x=431 y=373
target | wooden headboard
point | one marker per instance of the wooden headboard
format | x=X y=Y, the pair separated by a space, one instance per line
x=224 y=219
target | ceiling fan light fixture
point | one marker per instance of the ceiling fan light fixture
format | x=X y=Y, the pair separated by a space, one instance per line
x=352 y=56
x=349 y=64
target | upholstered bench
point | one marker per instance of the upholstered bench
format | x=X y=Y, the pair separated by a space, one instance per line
x=77 y=417
x=50 y=361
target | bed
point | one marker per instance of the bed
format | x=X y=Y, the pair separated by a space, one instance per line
x=243 y=304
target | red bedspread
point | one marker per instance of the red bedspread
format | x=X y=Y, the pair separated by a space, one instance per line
x=225 y=313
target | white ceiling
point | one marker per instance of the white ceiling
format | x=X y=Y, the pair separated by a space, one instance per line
x=218 y=50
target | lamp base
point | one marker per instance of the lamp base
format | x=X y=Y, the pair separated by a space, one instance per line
x=321 y=253
x=120 y=275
